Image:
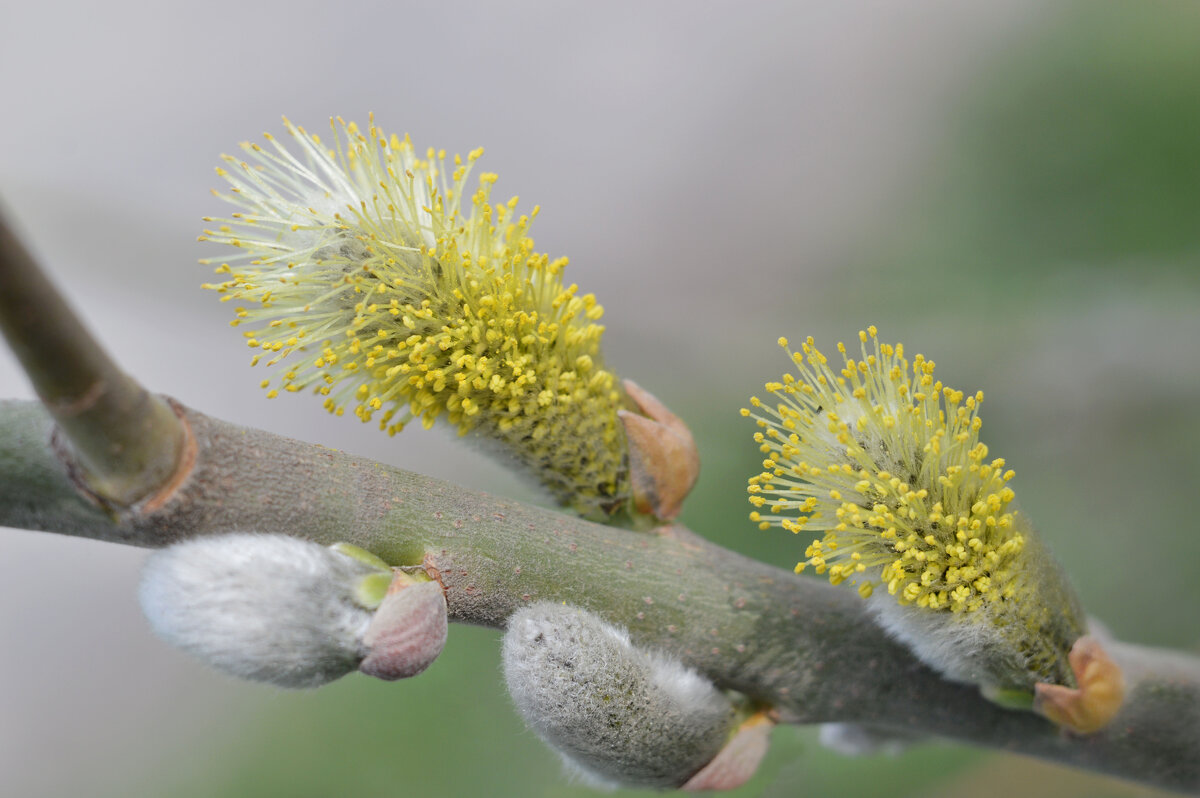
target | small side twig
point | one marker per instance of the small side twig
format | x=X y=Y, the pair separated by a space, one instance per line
x=124 y=442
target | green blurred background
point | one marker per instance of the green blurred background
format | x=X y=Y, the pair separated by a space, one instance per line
x=1039 y=240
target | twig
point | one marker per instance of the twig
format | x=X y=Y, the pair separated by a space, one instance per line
x=126 y=443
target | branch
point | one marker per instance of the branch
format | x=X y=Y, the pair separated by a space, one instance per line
x=127 y=443
x=803 y=646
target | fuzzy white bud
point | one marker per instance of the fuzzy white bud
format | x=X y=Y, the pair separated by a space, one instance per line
x=617 y=714
x=270 y=608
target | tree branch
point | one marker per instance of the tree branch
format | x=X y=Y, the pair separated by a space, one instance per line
x=805 y=647
x=127 y=442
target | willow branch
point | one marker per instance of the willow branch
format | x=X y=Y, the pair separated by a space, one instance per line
x=803 y=646
x=127 y=442
x=104 y=459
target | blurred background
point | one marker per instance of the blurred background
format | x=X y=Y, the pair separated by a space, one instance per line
x=1011 y=188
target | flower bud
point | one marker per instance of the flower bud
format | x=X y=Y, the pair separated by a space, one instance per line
x=269 y=608
x=617 y=714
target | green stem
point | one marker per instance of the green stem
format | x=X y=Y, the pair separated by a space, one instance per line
x=126 y=442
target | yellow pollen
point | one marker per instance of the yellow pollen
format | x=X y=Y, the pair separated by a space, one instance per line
x=424 y=299
x=888 y=465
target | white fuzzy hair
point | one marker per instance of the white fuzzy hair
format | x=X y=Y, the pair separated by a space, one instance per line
x=270 y=608
x=617 y=714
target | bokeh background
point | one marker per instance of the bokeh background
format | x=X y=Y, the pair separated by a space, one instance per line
x=1012 y=188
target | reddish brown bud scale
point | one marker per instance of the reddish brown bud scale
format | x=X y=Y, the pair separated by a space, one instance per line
x=737 y=762
x=663 y=458
x=407 y=632
x=1098 y=698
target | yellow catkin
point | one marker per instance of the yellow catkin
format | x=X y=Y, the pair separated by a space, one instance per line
x=884 y=462
x=371 y=277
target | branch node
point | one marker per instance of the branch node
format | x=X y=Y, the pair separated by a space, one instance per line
x=183 y=467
